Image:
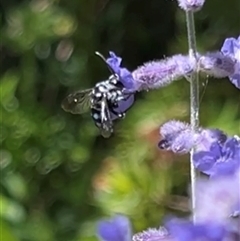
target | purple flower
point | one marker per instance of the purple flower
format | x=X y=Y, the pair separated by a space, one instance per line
x=206 y=137
x=218 y=200
x=176 y=136
x=217 y=65
x=116 y=229
x=187 y=231
x=124 y=75
x=157 y=74
x=220 y=159
x=231 y=47
x=153 y=234
x=191 y=5
x=180 y=138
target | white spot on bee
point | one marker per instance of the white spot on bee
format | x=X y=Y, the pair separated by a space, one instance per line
x=98 y=84
x=98 y=94
x=114 y=79
x=75 y=100
x=111 y=78
x=102 y=89
x=121 y=115
x=95 y=116
x=113 y=96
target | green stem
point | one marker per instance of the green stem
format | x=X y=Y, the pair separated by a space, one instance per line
x=194 y=101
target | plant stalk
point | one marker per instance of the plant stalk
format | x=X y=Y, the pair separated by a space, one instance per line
x=194 y=101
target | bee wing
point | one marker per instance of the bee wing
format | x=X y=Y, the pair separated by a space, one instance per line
x=106 y=121
x=78 y=102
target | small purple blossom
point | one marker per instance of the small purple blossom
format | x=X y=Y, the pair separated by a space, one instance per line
x=125 y=75
x=157 y=74
x=191 y=5
x=116 y=229
x=225 y=63
x=176 y=136
x=173 y=127
x=187 y=231
x=231 y=47
x=127 y=80
x=220 y=159
x=153 y=234
x=206 y=137
x=217 y=65
x=180 y=138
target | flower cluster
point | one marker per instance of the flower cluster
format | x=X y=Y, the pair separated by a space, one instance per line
x=220 y=159
x=216 y=216
x=157 y=74
x=215 y=153
x=160 y=73
x=218 y=199
x=178 y=137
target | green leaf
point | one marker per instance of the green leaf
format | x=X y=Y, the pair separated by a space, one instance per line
x=16 y=185
x=11 y=210
x=8 y=85
x=6 y=233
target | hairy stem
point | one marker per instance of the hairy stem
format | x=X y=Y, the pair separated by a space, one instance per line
x=194 y=100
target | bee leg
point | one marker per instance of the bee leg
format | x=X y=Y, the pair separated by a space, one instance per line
x=122 y=115
x=119 y=114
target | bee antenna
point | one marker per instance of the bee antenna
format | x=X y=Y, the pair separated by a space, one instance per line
x=101 y=56
x=104 y=59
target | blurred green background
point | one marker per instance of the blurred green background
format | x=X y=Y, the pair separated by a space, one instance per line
x=58 y=175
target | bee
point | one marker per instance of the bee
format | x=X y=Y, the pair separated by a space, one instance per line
x=106 y=100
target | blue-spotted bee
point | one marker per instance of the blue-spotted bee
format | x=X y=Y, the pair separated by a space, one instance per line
x=107 y=101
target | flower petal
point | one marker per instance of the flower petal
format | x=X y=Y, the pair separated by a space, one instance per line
x=124 y=75
x=231 y=47
x=116 y=229
x=204 y=161
x=186 y=231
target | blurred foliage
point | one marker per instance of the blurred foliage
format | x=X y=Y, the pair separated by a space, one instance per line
x=58 y=176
